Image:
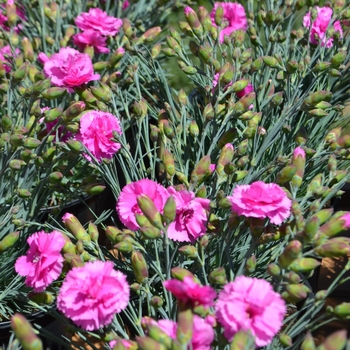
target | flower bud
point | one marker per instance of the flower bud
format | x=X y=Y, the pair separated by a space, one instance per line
x=112 y=233
x=9 y=241
x=20 y=73
x=270 y=61
x=297 y=292
x=342 y=310
x=23 y=193
x=184 y=326
x=193 y=129
x=338 y=59
x=308 y=343
x=290 y=253
x=154 y=133
x=74 y=110
x=147 y=343
x=189 y=251
x=156 y=302
x=150 y=211
x=31 y=143
x=242 y=340
x=25 y=333
x=240 y=175
x=201 y=170
x=139 y=266
x=169 y=211
x=319 y=113
x=226 y=156
x=286 y=174
x=333 y=248
x=193 y=21
x=218 y=276
x=73 y=225
x=41 y=298
x=186 y=29
x=189 y=70
x=315 y=98
x=292 y=277
x=311 y=227
x=304 y=265
x=180 y=273
x=93 y=232
x=285 y=340
x=338 y=223
x=55 y=177
x=53 y=93
x=150 y=35
x=169 y=163
x=75 y=146
x=298 y=159
x=251 y=264
x=155 y=51
x=124 y=247
x=150 y=232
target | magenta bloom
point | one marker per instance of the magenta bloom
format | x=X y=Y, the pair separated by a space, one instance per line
x=261 y=200
x=68 y=68
x=250 y=304
x=92 y=294
x=91 y=38
x=247 y=90
x=43 y=262
x=3 y=18
x=203 y=333
x=320 y=26
x=96 y=133
x=125 y=5
x=6 y=57
x=234 y=16
x=127 y=205
x=189 y=292
x=191 y=216
x=99 y=21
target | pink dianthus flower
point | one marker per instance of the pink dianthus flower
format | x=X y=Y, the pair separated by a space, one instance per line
x=261 y=200
x=191 y=216
x=127 y=205
x=98 y=20
x=320 y=25
x=250 y=304
x=90 y=295
x=234 y=16
x=68 y=68
x=6 y=56
x=43 y=262
x=125 y=5
x=96 y=133
x=189 y=292
x=203 y=333
x=91 y=38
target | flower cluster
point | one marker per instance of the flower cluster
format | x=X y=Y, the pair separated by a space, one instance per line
x=68 y=68
x=96 y=26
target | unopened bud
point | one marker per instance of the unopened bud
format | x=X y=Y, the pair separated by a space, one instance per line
x=218 y=276
x=290 y=253
x=180 y=273
x=193 y=21
x=73 y=225
x=25 y=333
x=150 y=211
x=9 y=241
x=139 y=266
